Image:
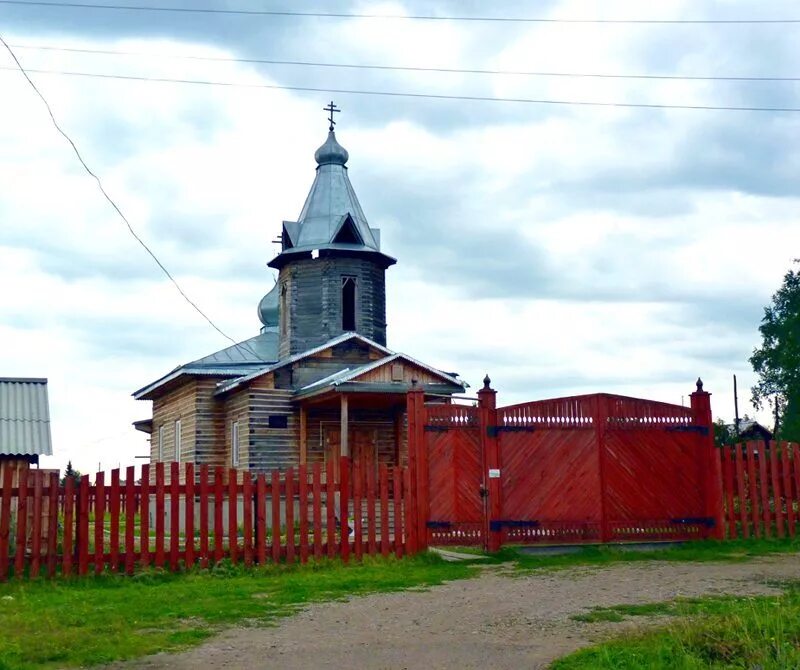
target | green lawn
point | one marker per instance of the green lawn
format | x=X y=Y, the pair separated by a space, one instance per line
x=705 y=550
x=72 y=622
x=101 y=619
x=720 y=632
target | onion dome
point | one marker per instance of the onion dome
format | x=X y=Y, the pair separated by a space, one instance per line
x=268 y=312
x=331 y=153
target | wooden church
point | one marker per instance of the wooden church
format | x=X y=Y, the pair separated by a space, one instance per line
x=318 y=381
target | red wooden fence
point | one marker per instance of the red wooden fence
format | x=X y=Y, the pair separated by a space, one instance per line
x=761 y=485
x=200 y=517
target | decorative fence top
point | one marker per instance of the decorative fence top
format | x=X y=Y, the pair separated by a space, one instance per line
x=626 y=412
x=453 y=416
x=580 y=411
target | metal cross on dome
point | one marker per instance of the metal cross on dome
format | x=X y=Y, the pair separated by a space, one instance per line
x=332 y=109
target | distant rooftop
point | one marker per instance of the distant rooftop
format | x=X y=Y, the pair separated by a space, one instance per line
x=24 y=417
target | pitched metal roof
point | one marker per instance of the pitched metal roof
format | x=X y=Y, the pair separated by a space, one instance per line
x=24 y=417
x=331 y=206
x=233 y=361
x=224 y=387
x=349 y=376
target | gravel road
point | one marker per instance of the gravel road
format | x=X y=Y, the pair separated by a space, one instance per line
x=498 y=620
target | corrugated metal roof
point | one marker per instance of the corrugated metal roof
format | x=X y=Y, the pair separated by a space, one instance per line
x=24 y=417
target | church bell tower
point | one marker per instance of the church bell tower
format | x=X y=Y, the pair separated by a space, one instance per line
x=331 y=269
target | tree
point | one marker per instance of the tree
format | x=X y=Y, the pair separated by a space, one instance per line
x=722 y=434
x=777 y=361
x=70 y=473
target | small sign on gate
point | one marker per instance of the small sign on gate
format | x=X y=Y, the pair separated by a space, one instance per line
x=494 y=473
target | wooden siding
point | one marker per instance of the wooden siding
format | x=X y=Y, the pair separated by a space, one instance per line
x=180 y=403
x=272 y=448
x=408 y=372
x=237 y=408
x=314 y=301
x=202 y=424
x=210 y=424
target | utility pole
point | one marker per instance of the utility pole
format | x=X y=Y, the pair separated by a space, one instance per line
x=735 y=409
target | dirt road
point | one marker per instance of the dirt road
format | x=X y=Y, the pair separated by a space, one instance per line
x=496 y=620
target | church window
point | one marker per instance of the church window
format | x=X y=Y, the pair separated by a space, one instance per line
x=235 y=444
x=348 y=303
x=278 y=421
x=284 y=313
x=178 y=441
x=161 y=432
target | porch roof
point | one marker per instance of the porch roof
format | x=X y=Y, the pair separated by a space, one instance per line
x=347 y=380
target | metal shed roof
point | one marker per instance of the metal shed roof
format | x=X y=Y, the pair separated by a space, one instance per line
x=24 y=417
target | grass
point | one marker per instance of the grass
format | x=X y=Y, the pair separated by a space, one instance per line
x=698 y=551
x=82 y=622
x=717 y=632
x=97 y=620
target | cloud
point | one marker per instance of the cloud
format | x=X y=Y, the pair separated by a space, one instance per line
x=561 y=249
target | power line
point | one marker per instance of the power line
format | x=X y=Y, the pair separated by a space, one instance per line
x=110 y=199
x=401 y=68
x=401 y=94
x=408 y=17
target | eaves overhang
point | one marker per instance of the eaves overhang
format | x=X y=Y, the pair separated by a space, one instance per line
x=331 y=250
x=384 y=388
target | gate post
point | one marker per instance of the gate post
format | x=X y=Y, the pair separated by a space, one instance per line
x=487 y=412
x=600 y=419
x=712 y=469
x=418 y=464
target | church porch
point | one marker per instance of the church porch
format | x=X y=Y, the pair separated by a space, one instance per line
x=369 y=426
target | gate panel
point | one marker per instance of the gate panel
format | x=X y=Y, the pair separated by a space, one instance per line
x=455 y=476
x=550 y=485
x=654 y=485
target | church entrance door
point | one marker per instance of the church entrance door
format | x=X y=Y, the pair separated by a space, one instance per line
x=363 y=448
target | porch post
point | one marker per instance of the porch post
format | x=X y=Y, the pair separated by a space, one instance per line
x=487 y=408
x=398 y=434
x=712 y=470
x=303 y=435
x=343 y=431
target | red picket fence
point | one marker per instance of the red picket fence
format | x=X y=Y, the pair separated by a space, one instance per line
x=761 y=485
x=195 y=518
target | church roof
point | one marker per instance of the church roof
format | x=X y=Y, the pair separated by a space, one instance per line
x=352 y=374
x=341 y=376
x=234 y=383
x=233 y=361
x=332 y=218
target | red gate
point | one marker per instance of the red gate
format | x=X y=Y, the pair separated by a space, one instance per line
x=594 y=468
x=457 y=512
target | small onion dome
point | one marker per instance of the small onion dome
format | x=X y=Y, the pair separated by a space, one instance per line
x=268 y=308
x=331 y=153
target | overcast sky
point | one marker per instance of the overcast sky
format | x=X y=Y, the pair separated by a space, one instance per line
x=562 y=249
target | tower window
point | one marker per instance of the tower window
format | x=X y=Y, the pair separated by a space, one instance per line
x=348 y=303
x=283 y=316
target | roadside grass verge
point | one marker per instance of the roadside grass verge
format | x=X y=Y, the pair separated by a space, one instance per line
x=697 y=551
x=92 y=620
x=715 y=632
